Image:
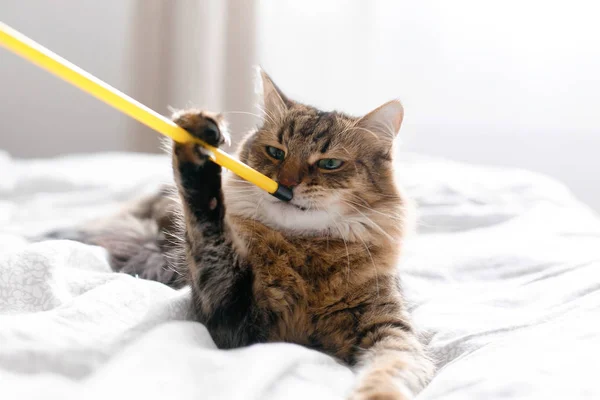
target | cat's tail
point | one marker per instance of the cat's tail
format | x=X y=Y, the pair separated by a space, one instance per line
x=140 y=240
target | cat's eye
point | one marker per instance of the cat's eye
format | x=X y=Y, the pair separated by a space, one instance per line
x=276 y=153
x=329 y=163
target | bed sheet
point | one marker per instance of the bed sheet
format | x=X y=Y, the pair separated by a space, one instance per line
x=502 y=279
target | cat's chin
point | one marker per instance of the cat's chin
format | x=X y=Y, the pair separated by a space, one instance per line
x=297 y=217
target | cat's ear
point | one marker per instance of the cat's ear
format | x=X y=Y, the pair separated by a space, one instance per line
x=275 y=103
x=384 y=121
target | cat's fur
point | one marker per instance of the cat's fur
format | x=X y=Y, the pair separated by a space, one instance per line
x=319 y=271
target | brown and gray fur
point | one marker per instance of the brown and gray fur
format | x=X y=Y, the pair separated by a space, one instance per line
x=319 y=271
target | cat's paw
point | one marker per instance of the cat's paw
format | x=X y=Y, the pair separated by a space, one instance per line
x=380 y=392
x=206 y=126
x=379 y=395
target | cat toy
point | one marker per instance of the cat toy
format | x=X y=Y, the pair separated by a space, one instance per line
x=55 y=64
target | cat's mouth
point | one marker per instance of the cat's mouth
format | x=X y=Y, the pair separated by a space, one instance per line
x=292 y=204
x=295 y=206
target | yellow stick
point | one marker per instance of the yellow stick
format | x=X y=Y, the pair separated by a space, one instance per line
x=46 y=59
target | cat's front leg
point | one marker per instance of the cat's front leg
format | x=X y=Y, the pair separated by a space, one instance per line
x=198 y=179
x=220 y=278
x=392 y=363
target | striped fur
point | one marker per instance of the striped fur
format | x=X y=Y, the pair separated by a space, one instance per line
x=325 y=278
x=319 y=271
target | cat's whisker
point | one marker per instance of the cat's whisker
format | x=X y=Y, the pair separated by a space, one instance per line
x=373 y=223
x=369 y=209
x=238 y=179
x=240 y=191
x=239 y=183
x=239 y=195
x=364 y=204
x=232 y=189
x=241 y=188
x=240 y=198
x=254 y=219
x=346 y=246
x=372 y=262
x=391 y=196
x=266 y=114
x=242 y=112
x=399 y=215
x=419 y=222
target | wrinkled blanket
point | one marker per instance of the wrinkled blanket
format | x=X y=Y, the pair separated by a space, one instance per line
x=503 y=281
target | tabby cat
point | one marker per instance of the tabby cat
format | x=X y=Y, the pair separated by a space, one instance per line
x=319 y=271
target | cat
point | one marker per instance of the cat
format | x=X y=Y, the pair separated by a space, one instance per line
x=319 y=271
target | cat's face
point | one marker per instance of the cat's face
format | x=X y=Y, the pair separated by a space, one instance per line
x=339 y=168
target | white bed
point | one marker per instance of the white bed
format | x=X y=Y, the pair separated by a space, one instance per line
x=503 y=279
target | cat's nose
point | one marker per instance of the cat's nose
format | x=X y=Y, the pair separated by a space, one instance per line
x=288 y=181
x=291 y=173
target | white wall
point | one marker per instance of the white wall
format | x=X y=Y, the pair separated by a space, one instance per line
x=509 y=83
x=181 y=54
x=41 y=115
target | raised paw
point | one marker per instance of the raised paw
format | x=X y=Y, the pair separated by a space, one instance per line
x=206 y=126
x=197 y=178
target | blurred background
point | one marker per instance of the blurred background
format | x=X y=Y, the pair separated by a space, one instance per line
x=511 y=83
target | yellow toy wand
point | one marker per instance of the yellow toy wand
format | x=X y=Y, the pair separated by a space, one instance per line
x=46 y=59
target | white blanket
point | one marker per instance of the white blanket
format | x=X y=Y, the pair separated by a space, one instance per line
x=503 y=280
